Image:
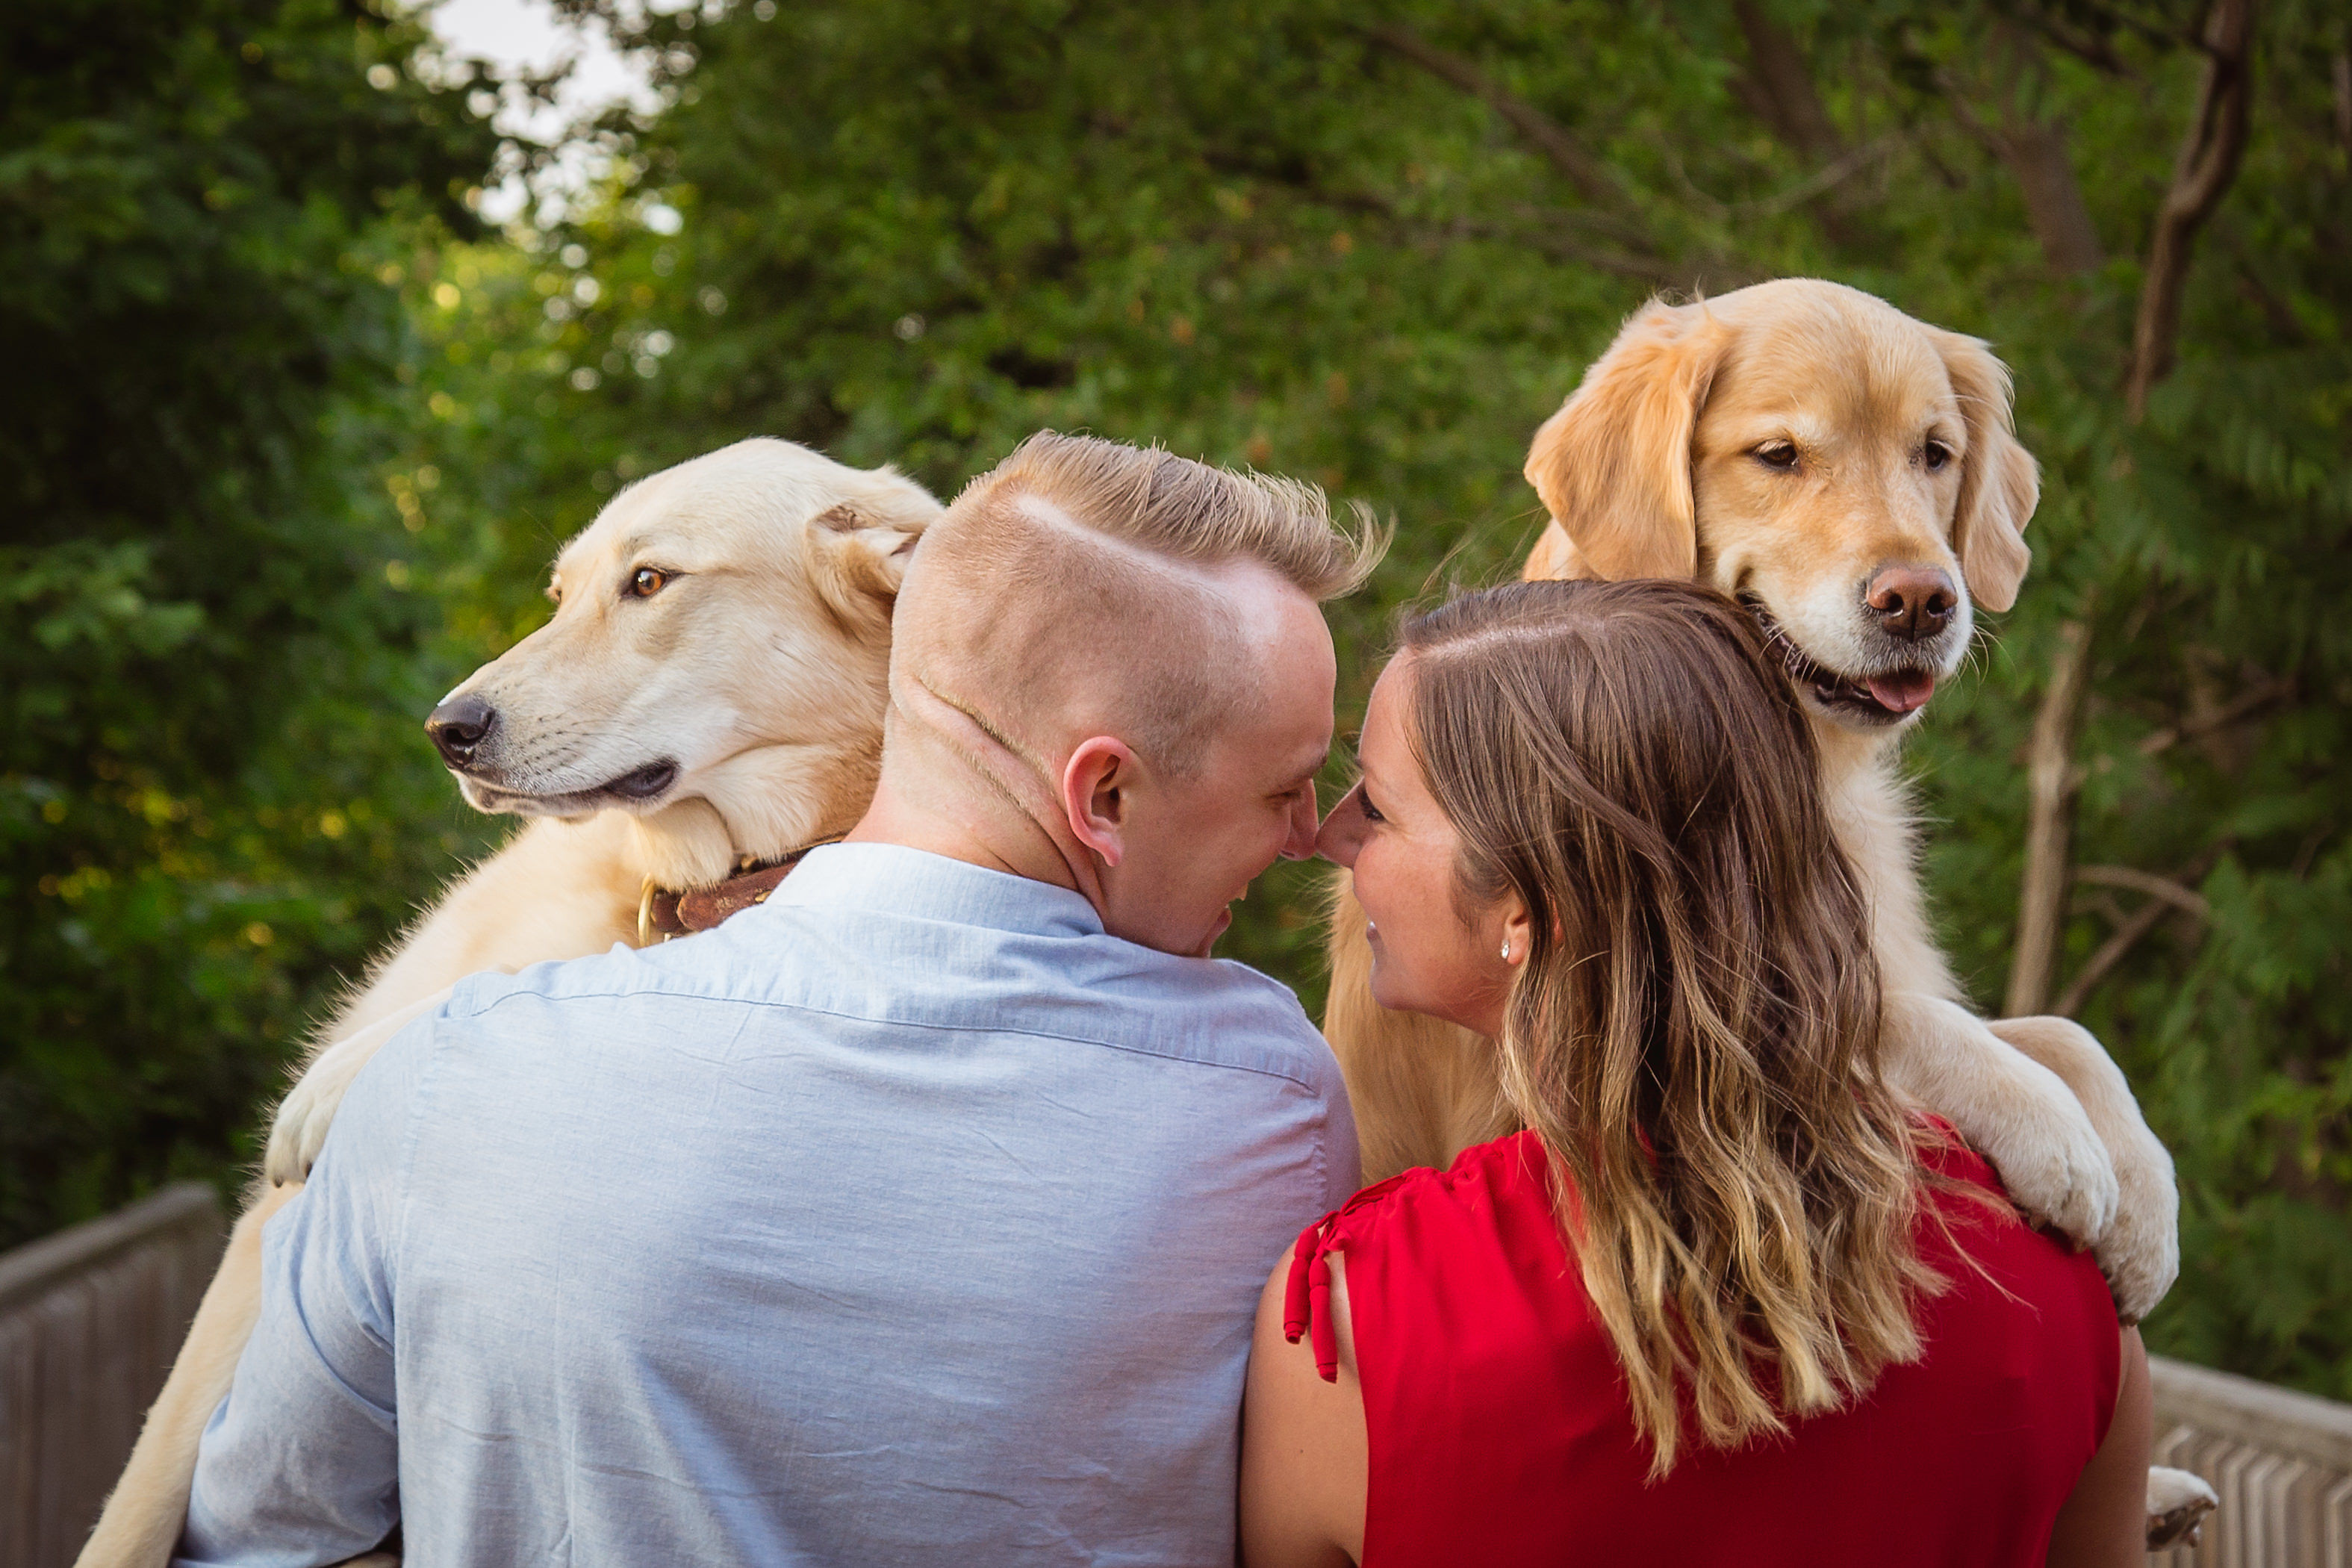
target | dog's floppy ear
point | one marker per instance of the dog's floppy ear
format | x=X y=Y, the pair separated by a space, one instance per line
x=860 y=549
x=1613 y=465
x=1999 y=481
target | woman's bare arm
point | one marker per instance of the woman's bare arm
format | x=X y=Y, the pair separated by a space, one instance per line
x=1303 y=1451
x=2105 y=1523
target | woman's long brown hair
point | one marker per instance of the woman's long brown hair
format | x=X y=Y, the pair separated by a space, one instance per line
x=1695 y=1036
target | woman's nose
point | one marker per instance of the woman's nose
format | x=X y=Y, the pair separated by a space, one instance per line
x=1341 y=832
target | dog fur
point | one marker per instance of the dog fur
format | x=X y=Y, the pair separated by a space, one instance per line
x=749 y=685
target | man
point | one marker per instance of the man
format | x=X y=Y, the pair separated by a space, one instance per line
x=916 y=1216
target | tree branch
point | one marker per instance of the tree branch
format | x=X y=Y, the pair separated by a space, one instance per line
x=2201 y=178
x=2245 y=705
x=2340 y=75
x=2168 y=894
x=2111 y=952
x=1561 y=247
x=2041 y=895
x=2162 y=889
x=1542 y=132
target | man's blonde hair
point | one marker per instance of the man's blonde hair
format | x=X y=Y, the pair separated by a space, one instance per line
x=1175 y=507
x=1073 y=545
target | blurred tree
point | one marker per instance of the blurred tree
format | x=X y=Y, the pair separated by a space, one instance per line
x=200 y=821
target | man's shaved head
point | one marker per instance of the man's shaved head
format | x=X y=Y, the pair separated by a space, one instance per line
x=1086 y=584
x=1118 y=651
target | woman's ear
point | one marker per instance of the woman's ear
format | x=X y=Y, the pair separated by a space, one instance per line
x=1613 y=465
x=1518 y=933
x=1999 y=481
x=858 y=553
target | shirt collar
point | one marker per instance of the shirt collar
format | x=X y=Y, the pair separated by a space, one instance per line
x=920 y=885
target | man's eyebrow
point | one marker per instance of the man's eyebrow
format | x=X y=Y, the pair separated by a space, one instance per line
x=1309 y=769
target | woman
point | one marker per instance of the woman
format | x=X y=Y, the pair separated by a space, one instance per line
x=1722 y=1300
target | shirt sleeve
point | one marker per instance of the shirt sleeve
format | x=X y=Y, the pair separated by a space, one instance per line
x=1343 y=1159
x=300 y=1464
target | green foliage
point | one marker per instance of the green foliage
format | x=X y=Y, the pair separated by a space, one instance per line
x=1289 y=235
x=202 y=817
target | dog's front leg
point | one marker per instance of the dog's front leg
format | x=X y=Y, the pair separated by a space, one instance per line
x=2140 y=1252
x=149 y=1506
x=298 y=1131
x=2015 y=1111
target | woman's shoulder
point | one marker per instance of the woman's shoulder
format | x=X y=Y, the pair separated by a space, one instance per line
x=1487 y=1180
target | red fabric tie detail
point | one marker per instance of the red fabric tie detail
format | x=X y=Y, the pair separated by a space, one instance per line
x=1307 y=1297
x=1295 y=1309
x=1326 y=1338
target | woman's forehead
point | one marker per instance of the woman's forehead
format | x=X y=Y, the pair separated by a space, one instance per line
x=1382 y=743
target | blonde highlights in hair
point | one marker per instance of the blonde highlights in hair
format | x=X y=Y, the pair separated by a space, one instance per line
x=1695 y=1036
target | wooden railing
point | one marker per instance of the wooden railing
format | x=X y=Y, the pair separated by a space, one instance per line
x=2281 y=1460
x=89 y=1320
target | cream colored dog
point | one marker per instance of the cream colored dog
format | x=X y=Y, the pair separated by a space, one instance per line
x=1850 y=475
x=709 y=690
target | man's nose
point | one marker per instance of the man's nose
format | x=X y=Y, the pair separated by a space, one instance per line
x=1299 y=843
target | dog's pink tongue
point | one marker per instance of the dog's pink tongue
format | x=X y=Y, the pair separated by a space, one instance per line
x=1904 y=691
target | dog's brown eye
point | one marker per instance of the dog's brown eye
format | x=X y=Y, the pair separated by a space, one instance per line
x=647 y=581
x=1777 y=455
x=1937 y=455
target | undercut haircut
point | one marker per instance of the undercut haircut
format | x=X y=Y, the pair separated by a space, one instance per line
x=1075 y=544
x=1174 y=506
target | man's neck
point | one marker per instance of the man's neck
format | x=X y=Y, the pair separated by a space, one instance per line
x=988 y=835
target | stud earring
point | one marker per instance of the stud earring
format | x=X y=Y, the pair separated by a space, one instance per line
x=1507 y=953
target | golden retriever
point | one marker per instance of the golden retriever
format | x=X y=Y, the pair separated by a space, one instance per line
x=1850 y=475
x=708 y=691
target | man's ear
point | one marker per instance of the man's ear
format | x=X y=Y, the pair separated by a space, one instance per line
x=858 y=552
x=1096 y=783
x=1613 y=465
x=1999 y=481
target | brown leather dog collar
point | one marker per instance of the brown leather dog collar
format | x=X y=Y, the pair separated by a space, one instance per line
x=663 y=912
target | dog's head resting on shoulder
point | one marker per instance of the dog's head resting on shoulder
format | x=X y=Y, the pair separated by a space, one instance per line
x=1850 y=473
x=716 y=666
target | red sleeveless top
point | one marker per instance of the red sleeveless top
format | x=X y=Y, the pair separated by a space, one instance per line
x=1500 y=1429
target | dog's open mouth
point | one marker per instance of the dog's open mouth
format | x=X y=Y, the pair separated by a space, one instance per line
x=648 y=783
x=645 y=782
x=1887 y=698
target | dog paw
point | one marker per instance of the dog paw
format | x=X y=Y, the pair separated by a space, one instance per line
x=2055 y=1167
x=2177 y=1503
x=2141 y=1251
x=299 y=1129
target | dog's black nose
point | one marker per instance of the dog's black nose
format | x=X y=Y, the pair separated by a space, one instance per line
x=1911 y=602
x=458 y=726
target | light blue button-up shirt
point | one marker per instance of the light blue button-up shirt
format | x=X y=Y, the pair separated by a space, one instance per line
x=908 y=1218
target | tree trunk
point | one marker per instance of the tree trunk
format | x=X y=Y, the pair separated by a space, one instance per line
x=2035 y=152
x=1778 y=88
x=2048 y=877
x=2207 y=163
